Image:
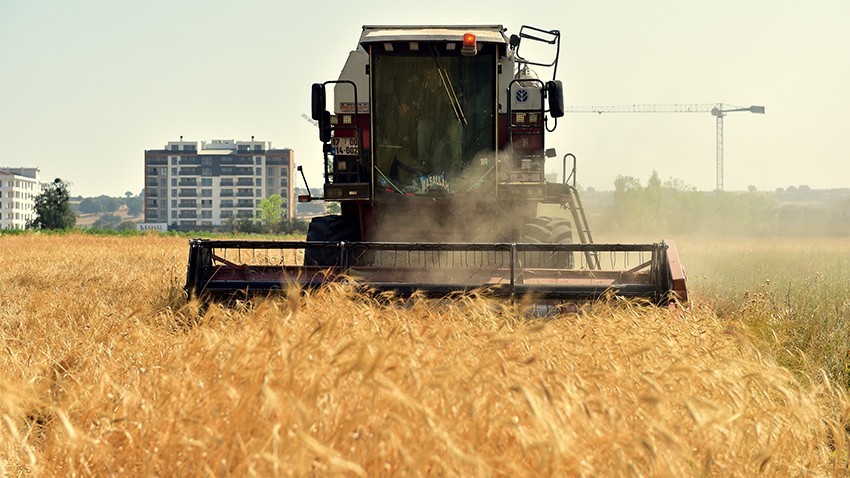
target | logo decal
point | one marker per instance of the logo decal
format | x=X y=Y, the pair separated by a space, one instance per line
x=521 y=96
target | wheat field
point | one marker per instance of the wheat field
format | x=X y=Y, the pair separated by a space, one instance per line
x=105 y=370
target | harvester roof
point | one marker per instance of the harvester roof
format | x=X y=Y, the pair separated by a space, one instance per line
x=428 y=33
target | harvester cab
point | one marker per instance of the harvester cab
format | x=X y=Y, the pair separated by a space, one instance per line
x=434 y=147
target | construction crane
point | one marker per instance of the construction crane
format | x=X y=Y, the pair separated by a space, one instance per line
x=718 y=110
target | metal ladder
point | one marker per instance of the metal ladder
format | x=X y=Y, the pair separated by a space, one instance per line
x=581 y=225
x=577 y=210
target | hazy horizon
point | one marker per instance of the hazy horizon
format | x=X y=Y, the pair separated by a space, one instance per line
x=86 y=87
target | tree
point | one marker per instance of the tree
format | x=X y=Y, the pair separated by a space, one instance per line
x=53 y=207
x=107 y=221
x=271 y=212
x=135 y=206
x=109 y=204
x=90 y=206
x=126 y=226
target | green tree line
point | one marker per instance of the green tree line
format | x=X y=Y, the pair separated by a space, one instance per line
x=673 y=207
x=100 y=204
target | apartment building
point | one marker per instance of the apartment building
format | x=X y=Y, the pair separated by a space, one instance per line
x=18 y=189
x=187 y=187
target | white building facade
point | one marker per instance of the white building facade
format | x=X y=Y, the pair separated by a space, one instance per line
x=187 y=187
x=18 y=189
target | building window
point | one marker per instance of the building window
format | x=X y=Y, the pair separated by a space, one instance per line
x=259 y=171
x=173 y=203
x=174 y=161
x=259 y=182
x=206 y=182
x=174 y=181
x=259 y=193
x=206 y=171
x=206 y=193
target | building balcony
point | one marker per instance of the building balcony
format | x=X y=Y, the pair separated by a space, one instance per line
x=232 y=161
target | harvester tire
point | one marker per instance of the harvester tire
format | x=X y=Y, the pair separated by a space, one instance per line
x=547 y=230
x=328 y=229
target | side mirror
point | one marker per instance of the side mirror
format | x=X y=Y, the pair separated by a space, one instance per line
x=555 y=89
x=318 y=101
x=325 y=126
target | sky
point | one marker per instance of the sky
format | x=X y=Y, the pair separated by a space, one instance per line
x=87 y=86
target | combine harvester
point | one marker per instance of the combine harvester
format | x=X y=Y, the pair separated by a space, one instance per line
x=435 y=152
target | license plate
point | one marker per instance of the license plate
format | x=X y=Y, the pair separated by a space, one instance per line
x=345 y=146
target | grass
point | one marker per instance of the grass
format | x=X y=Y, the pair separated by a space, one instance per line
x=107 y=371
x=793 y=295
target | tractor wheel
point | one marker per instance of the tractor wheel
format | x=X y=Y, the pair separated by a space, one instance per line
x=328 y=229
x=547 y=230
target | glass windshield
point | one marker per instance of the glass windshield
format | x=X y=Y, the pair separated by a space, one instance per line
x=434 y=122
